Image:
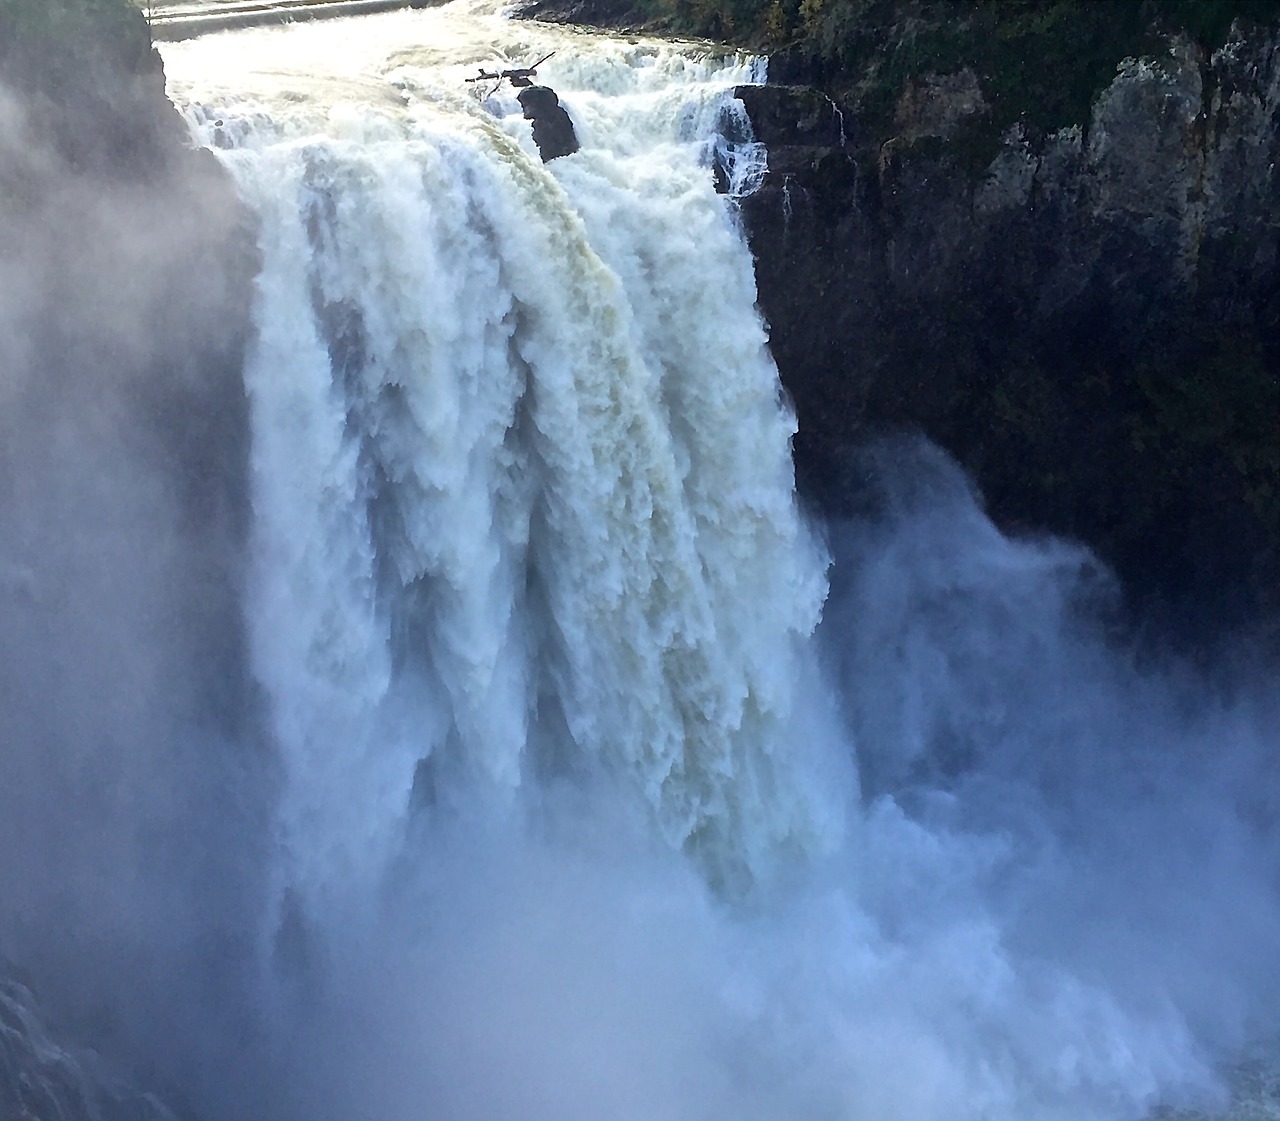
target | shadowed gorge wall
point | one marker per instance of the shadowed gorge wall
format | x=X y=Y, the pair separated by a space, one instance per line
x=125 y=270
x=1089 y=319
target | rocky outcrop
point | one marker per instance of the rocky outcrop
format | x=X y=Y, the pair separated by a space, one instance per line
x=42 y=1079
x=90 y=87
x=136 y=261
x=552 y=128
x=1089 y=321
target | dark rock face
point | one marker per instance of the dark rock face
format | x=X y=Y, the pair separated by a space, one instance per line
x=552 y=129
x=42 y=1080
x=95 y=56
x=803 y=131
x=126 y=267
x=1090 y=322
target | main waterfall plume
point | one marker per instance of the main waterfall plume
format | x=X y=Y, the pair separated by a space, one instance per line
x=521 y=464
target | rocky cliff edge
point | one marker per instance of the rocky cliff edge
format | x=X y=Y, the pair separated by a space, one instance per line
x=1089 y=319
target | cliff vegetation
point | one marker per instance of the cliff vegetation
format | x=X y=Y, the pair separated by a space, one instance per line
x=1041 y=61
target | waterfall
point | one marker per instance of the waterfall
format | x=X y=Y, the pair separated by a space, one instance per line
x=521 y=463
x=609 y=784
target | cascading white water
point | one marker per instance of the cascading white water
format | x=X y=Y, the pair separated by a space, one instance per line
x=521 y=467
x=532 y=603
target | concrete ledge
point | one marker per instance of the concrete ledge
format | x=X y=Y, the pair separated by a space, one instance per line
x=187 y=21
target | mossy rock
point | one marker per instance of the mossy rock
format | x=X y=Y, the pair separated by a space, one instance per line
x=90 y=83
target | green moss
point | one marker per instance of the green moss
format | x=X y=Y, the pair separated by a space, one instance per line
x=69 y=27
x=90 y=82
x=53 y=18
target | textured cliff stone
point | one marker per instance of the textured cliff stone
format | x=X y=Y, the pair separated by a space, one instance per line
x=552 y=129
x=91 y=85
x=1088 y=321
x=1148 y=120
x=41 y=1079
x=804 y=132
x=617 y=14
x=938 y=105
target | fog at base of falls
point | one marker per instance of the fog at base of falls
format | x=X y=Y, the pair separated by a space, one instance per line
x=595 y=780
x=1057 y=899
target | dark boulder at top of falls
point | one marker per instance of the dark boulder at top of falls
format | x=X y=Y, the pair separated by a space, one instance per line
x=552 y=129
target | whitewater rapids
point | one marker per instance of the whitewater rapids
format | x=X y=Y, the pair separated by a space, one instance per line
x=569 y=820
